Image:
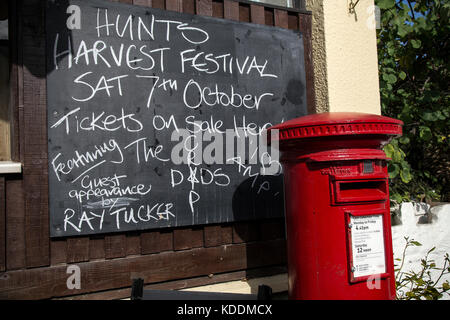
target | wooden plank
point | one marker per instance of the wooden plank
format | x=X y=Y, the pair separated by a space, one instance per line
x=174 y=5
x=266 y=253
x=245 y=232
x=213 y=236
x=244 y=12
x=58 y=251
x=227 y=234
x=166 y=240
x=189 y=6
x=14 y=105
x=15 y=223
x=306 y=29
x=159 y=4
x=15 y=69
x=272 y=229
x=96 y=247
x=293 y=21
x=156 y=241
x=217 y=9
x=257 y=14
x=144 y=3
x=187 y=238
x=2 y=224
x=268 y=5
x=19 y=125
x=133 y=242
x=203 y=7
x=231 y=10
x=77 y=249
x=115 y=246
x=150 y=242
x=269 y=16
x=281 y=18
x=218 y=235
x=35 y=178
x=41 y=283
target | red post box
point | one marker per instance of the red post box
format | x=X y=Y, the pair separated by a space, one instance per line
x=338 y=224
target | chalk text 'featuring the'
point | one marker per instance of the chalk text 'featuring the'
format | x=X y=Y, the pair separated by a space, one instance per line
x=82 y=160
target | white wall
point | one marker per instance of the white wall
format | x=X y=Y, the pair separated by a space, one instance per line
x=434 y=234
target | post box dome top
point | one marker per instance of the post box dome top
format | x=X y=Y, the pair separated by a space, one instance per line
x=337 y=124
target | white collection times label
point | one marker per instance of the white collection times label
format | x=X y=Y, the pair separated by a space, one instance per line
x=367 y=242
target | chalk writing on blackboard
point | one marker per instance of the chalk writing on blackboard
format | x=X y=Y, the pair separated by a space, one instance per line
x=157 y=118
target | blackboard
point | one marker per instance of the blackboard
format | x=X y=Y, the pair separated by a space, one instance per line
x=140 y=102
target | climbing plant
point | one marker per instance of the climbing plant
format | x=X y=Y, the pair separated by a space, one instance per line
x=413 y=58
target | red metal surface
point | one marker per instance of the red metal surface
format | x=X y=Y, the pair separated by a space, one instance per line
x=334 y=168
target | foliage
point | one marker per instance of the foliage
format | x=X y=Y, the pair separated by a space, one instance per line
x=413 y=48
x=420 y=285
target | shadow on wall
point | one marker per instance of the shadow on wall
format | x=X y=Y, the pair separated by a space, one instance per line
x=250 y=202
x=259 y=197
x=34 y=29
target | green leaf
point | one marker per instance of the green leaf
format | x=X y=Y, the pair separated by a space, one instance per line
x=415 y=243
x=402 y=75
x=397 y=197
x=393 y=170
x=385 y=4
x=404 y=140
x=405 y=175
x=403 y=30
x=389 y=150
x=446 y=286
x=416 y=44
x=440 y=115
x=389 y=78
x=425 y=133
x=397 y=156
x=429 y=116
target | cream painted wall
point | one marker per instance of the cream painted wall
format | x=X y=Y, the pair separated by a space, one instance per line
x=345 y=54
x=319 y=55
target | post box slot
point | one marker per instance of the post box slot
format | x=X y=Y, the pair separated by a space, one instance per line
x=357 y=191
